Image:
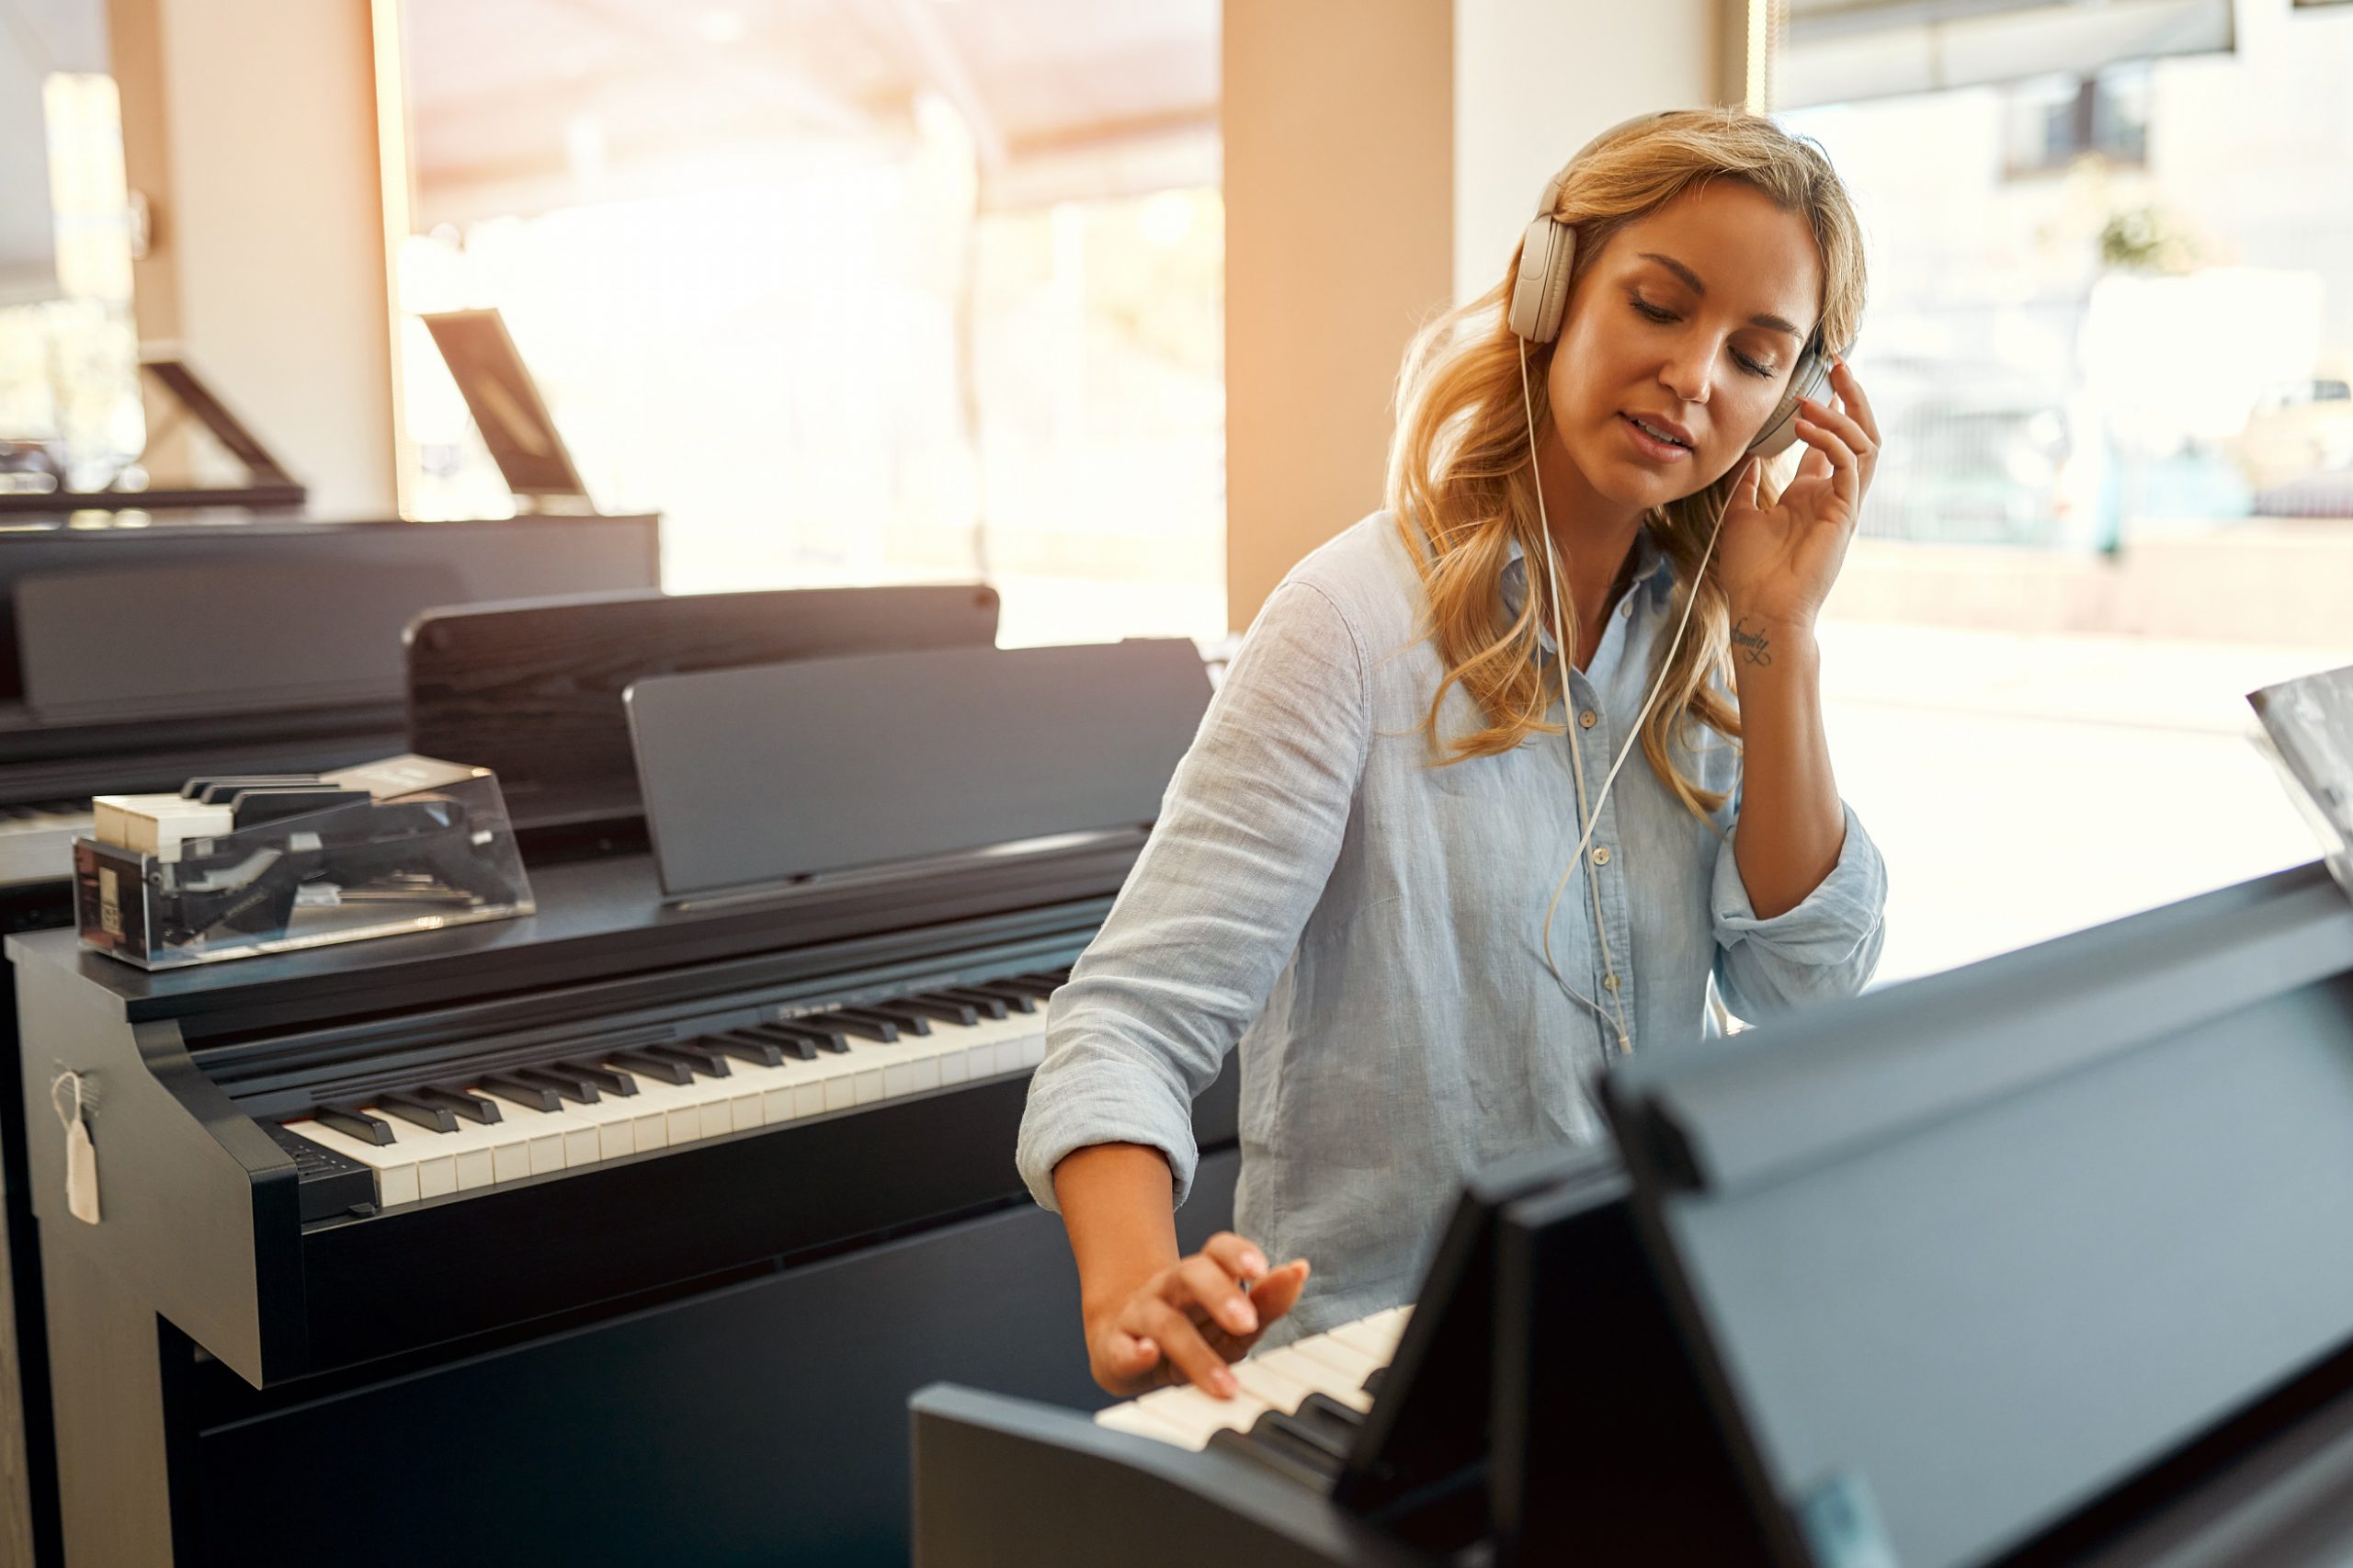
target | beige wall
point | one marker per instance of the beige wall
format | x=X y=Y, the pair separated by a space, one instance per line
x=1422 y=131
x=1534 y=80
x=1338 y=120
x=250 y=126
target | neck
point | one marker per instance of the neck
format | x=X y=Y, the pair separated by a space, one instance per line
x=1592 y=535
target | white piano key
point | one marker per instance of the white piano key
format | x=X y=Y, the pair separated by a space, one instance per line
x=1288 y=1362
x=487 y=1153
x=868 y=1061
x=436 y=1164
x=556 y=1139
x=395 y=1166
x=749 y=1085
x=1344 y=1360
x=614 y=1123
x=1376 y=1340
x=1270 y=1382
x=676 y=1107
x=1200 y=1415
x=1131 y=1417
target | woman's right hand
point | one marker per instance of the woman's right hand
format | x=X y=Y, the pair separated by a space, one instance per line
x=1184 y=1322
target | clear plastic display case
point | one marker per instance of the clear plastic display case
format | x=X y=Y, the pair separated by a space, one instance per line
x=430 y=846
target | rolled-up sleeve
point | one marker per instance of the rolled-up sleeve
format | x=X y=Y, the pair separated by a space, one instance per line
x=1248 y=830
x=1825 y=948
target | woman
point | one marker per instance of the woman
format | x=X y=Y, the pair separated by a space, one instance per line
x=1395 y=866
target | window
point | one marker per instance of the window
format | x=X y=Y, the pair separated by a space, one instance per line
x=847 y=292
x=2111 y=316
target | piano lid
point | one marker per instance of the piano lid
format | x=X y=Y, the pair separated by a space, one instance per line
x=598 y=919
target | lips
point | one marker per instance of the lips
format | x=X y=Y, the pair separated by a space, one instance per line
x=1649 y=448
x=1665 y=427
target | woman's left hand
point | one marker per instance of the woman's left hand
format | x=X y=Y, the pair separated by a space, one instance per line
x=1776 y=562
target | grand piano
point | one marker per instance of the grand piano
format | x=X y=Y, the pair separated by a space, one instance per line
x=138 y=650
x=619 y=1233
x=2036 y=1262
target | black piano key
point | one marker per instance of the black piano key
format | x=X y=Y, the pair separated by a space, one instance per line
x=514 y=1086
x=710 y=1063
x=1293 y=1458
x=1004 y=998
x=988 y=1004
x=474 y=1108
x=1373 y=1380
x=828 y=1036
x=1036 y=987
x=1333 y=1443
x=744 y=1046
x=800 y=1044
x=572 y=1086
x=425 y=1113
x=661 y=1069
x=843 y=1018
x=1323 y=1407
x=908 y=1020
x=349 y=1119
x=611 y=1080
x=1334 y=1424
x=942 y=1008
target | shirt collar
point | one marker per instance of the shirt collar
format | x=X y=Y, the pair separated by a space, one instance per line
x=1652 y=570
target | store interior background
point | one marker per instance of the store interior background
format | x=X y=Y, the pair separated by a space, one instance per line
x=1106 y=303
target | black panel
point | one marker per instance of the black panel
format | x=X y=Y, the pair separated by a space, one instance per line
x=763 y=1424
x=500 y=558
x=115 y=644
x=533 y=691
x=756 y=774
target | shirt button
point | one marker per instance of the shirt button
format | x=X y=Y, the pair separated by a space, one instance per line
x=1610 y=983
x=1588 y=719
x=1629 y=611
x=1601 y=855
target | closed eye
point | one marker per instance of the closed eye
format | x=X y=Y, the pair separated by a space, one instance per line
x=1653 y=313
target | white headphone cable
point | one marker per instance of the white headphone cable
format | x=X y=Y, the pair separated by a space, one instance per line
x=1560 y=648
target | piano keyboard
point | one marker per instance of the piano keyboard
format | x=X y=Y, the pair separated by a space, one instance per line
x=36 y=839
x=618 y=1101
x=1299 y=1408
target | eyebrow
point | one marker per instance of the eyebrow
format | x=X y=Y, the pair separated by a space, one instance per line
x=1692 y=278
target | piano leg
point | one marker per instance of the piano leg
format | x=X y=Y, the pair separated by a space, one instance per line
x=107 y=1381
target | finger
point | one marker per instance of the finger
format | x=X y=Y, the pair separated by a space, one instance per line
x=1843 y=477
x=1128 y=1355
x=1842 y=425
x=1851 y=393
x=1278 y=1291
x=1200 y=1280
x=1237 y=1256
x=1148 y=1317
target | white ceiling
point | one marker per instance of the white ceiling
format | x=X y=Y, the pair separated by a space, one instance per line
x=499 y=91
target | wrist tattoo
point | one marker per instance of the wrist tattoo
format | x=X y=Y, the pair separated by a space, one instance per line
x=1756 y=645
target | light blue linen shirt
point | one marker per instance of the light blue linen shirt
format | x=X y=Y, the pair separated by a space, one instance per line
x=1368 y=928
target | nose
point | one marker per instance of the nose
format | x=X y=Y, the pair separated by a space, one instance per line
x=1686 y=374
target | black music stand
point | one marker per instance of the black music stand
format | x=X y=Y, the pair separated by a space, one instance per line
x=269 y=486
x=507 y=409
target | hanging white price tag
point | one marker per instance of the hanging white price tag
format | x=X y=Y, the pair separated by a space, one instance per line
x=81 y=1155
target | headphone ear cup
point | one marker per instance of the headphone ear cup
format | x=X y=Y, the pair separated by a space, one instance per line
x=1541 y=289
x=1810 y=380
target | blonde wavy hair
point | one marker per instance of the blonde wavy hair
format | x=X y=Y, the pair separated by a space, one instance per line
x=1462 y=488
